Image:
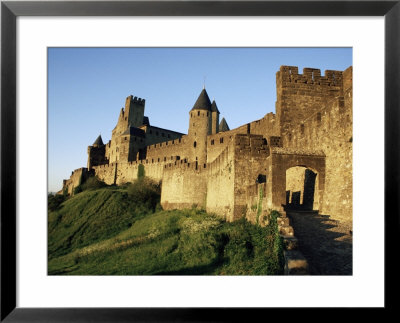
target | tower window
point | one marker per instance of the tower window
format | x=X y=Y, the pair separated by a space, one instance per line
x=198 y=113
x=221 y=140
x=212 y=142
x=194 y=144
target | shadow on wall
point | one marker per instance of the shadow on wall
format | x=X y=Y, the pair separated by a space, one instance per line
x=300 y=188
x=326 y=244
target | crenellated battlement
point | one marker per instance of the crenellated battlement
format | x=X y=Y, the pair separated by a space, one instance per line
x=163 y=145
x=301 y=95
x=136 y=100
x=311 y=76
x=185 y=165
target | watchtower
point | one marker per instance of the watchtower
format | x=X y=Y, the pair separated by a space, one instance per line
x=199 y=127
x=134 y=111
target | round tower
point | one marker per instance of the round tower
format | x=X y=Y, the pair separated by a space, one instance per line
x=199 y=128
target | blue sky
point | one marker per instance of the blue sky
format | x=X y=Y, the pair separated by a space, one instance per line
x=87 y=88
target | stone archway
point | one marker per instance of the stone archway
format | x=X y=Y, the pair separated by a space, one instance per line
x=283 y=159
x=301 y=189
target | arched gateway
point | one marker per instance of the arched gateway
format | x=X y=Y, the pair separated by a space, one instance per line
x=296 y=179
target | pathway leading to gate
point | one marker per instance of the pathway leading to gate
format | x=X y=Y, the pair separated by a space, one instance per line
x=326 y=244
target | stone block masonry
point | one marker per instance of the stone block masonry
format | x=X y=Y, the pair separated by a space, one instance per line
x=78 y=176
x=300 y=157
x=184 y=185
x=221 y=184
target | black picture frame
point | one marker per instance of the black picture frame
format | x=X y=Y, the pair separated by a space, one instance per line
x=10 y=10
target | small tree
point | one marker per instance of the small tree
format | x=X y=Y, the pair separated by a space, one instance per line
x=145 y=192
x=54 y=201
x=140 y=172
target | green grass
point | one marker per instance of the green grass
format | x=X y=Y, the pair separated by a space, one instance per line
x=105 y=232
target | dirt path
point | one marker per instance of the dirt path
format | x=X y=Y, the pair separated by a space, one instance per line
x=327 y=244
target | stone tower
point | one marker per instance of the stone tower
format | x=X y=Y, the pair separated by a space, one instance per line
x=96 y=153
x=131 y=116
x=122 y=139
x=134 y=111
x=214 y=118
x=199 y=127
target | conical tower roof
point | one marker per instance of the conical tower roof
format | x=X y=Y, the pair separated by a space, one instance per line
x=223 y=126
x=203 y=101
x=214 y=107
x=99 y=141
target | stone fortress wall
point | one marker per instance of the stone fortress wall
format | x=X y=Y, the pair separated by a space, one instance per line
x=300 y=156
x=78 y=176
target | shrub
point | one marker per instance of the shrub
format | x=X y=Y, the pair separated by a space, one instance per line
x=146 y=192
x=77 y=189
x=93 y=183
x=54 y=201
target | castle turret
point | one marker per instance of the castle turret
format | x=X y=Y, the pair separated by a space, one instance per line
x=98 y=142
x=214 y=118
x=200 y=127
x=96 y=153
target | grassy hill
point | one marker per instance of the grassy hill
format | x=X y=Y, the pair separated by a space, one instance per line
x=110 y=231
